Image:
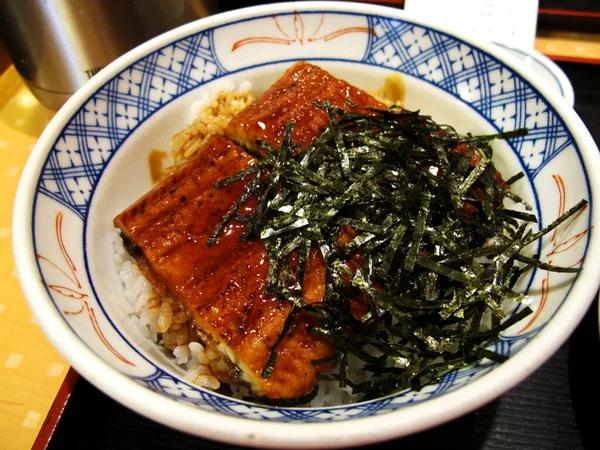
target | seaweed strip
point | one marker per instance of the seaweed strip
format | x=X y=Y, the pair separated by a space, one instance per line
x=417 y=236
x=580 y=205
x=268 y=369
x=248 y=190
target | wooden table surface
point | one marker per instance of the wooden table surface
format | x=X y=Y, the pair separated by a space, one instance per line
x=31 y=370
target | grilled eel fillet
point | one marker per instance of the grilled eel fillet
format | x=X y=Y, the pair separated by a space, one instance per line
x=222 y=286
x=291 y=99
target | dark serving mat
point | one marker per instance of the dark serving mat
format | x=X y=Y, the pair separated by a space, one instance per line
x=555 y=408
x=582 y=6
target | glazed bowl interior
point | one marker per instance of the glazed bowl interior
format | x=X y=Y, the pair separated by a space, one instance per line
x=92 y=162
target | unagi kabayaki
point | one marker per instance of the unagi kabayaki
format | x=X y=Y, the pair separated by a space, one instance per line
x=222 y=286
x=291 y=99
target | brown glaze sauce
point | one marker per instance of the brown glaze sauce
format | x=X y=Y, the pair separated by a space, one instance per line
x=156 y=160
x=394 y=88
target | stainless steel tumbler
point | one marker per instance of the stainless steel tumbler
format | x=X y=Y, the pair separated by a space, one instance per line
x=57 y=45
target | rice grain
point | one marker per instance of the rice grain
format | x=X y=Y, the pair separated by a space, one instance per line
x=165 y=318
x=215 y=111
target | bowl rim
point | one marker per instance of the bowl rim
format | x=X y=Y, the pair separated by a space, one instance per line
x=258 y=433
x=553 y=69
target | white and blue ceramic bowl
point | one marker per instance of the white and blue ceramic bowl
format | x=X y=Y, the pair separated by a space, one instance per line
x=91 y=162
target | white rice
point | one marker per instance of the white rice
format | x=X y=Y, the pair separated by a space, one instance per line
x=142 y=308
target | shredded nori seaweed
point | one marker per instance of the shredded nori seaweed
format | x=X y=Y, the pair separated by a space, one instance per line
x=434 y=249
